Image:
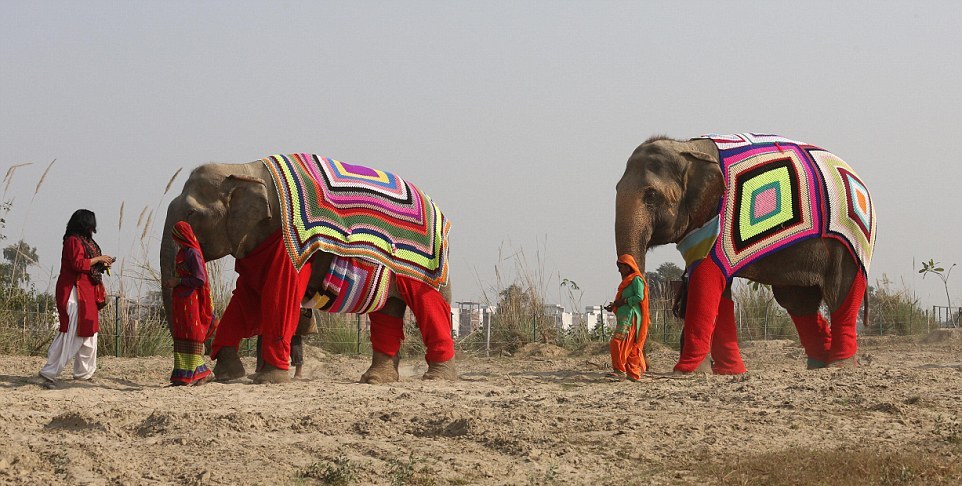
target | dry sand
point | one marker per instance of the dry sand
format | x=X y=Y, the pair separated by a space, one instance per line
x=539 y=417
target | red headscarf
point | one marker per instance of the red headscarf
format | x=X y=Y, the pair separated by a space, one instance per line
x=183 y=235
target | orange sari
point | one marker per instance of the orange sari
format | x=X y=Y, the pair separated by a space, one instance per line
x=631 y=330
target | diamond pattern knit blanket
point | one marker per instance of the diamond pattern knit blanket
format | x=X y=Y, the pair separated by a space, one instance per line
x=354 y=211
x=779 y=192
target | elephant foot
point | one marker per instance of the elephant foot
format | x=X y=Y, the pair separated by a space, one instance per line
x=844 y=363
x=441 y=371
x=814 y=364
x=384 y=369
x=271 y=375
x=229 y=366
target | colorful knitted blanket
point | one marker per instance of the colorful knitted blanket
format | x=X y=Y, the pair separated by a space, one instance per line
x=780 y=192
x=354 y=211
x=352 y=286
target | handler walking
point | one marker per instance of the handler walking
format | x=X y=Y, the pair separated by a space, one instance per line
x=79 y=294
x=631 y=309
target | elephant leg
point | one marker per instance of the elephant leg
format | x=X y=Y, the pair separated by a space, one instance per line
x=387 y=332
x=282 y=289
x=433 y=315
x=726 y=359
x=844 y=318
x=229 y=366
x=705 y=288
x=802 y=304
x=238 y=322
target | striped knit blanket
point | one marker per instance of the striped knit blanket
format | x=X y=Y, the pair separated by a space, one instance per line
x=780 y=192
x=357 y=212
x=352 y=286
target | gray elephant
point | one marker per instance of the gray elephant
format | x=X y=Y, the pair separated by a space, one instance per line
x=308 y=230
x=761 y=207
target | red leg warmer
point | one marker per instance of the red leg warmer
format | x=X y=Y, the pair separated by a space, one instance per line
x=387 y=332
x=433 y=314
x=281 y=310
x=267 y=297
x=844 y=339
x=705 y=287
x=724 y=342
x=813 y=332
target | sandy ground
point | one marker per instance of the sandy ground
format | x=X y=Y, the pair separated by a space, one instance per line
x=539 y=417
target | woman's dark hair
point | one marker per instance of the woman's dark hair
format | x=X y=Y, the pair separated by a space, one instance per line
x=82 y=223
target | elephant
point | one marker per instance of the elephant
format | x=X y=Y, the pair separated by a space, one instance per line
x=760 y=207
x=234 y=210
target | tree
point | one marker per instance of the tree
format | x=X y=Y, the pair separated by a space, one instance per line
x=659 y=280
x=517 y=316
x=933 y=267
x=13 y=273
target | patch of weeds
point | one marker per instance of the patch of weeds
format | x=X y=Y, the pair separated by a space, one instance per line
x=411 y=472
x=549 y=477
x=948 y=430
x=339 y=472
x=830 y=467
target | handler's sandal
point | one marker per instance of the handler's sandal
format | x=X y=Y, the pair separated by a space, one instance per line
x=47 y=382
x=616 y=375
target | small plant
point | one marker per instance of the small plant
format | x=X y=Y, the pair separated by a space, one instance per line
x=948 y=430
x=341 y=472
x=408 y=473
x=549 y=477
x=934 y=268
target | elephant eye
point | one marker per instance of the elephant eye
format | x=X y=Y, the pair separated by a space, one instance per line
x=650 y=196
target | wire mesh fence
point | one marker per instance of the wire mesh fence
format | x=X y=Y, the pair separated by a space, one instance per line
x=132 y=329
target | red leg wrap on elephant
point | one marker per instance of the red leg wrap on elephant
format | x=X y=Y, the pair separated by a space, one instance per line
x=267 y=297
x=433 y=314
x=724 y=342
x=705 y=287
x=813 y=332
x=844 y=339
x=241 y=318
x=387 y=332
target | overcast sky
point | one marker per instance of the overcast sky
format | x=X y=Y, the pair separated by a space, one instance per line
x=517 y=117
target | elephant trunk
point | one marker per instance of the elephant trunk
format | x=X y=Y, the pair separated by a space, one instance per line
x=168 y=251
x=632 y=228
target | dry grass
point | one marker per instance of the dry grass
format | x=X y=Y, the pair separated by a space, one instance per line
x=908 y=466
x=43 y=177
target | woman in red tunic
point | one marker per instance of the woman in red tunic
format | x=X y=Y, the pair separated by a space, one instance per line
x=79 y=294
x=192 y=309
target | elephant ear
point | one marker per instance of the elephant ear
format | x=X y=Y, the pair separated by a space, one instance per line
x=702 y=181
x=699 y=155
x=247 y=204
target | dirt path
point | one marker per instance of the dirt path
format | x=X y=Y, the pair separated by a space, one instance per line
x=548 y=419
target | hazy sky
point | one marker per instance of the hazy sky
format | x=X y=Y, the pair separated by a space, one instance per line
x=517 y=117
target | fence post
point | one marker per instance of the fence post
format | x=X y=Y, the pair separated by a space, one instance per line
x=117 y=326
x=358 y=333
x=487 y=335
x=534 y=329
x=765 y=324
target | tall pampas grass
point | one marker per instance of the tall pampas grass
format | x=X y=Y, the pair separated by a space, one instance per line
x=43 y=177
x=8 y=178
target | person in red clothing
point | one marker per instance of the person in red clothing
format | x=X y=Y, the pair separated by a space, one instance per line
x=79 y=295
x=192 y=309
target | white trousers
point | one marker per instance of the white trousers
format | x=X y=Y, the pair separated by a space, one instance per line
x=69 y=345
